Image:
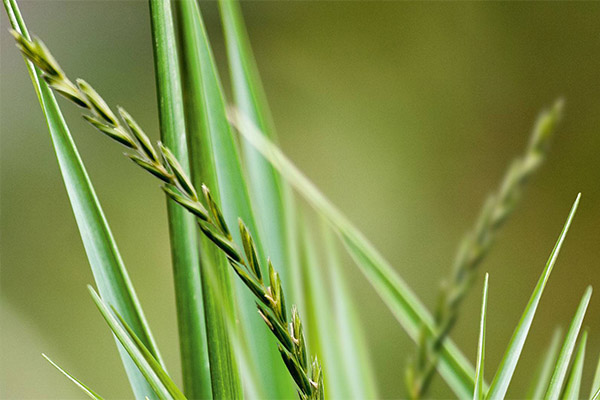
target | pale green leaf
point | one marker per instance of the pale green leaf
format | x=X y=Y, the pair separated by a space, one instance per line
x=479 y=370
x=564 y=358
x=89 y=392
x=515 y=346
x=542 y=379
x=150 y=368
x=596 y=382
x=574 y=381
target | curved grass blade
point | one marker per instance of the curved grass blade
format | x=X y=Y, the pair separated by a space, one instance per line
x=574 y=382
x=105 y=261
x=513 y=351
x=404 y=304
x=155 y=375
x=596 y=382
x=479 y=380
x=219 y=152
x=89 y=392
x=182 y=227
x=562 y=365
x=540 y=384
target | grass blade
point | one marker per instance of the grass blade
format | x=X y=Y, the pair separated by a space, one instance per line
x=562 y=365
x=183 y=233
x=356 y=364
x=403 y=303
x=105 y=261
x=574 y=382
x=89 y=392
x=596 y=382
x=271 y=197
x=155 y=375
x=321 y=332
x=513 y=352
x=218 y=143
x=540 y=384
x=479 y=374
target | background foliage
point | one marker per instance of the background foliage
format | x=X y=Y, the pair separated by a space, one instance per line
x=405 y=115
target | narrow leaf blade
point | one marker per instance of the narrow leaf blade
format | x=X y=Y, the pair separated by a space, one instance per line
x=479 y=377
x=89 y=392
x=147 y=364
x=562 y=365
x=105 y=261
x=574 y=381
x=542 y=379
x=508 y=364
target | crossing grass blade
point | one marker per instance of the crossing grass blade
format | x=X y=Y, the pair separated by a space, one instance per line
x=397 y=295
x=89 y=392
x=564 y=358
x=574 y=381
x=150 y=368
x=182 y=227
x=542 y=379
x=478 y=393
x=216 y=149
x=508 y=364
x=103 y=255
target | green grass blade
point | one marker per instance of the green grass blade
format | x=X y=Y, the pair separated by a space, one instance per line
x=356 y=364
x=574 y=381
x=155 y=375
x=105 y=261
x=270 y=196
x=596 y=382
x=182 y=227
x=596 y=395
x=562 y=365
x=542 y=379
x=404 y=304
x=322 y=335
x=220 y=153
x=513 y=352
x=479 y=371
x=89 y=392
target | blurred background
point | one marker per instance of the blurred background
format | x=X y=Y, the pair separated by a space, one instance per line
x=405 y=114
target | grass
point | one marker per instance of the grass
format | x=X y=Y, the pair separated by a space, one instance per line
x=283 y=328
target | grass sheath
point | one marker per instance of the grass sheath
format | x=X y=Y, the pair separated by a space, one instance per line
x=287 y=329
x=475 y=245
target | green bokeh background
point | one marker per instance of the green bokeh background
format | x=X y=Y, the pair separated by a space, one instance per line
x=404 y=114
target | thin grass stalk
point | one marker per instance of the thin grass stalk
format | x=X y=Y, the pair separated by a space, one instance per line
x=269 y=296
x=184 y=253
x=216 y=283
x=475 y=246
x=231 y=192
x=103 y=255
